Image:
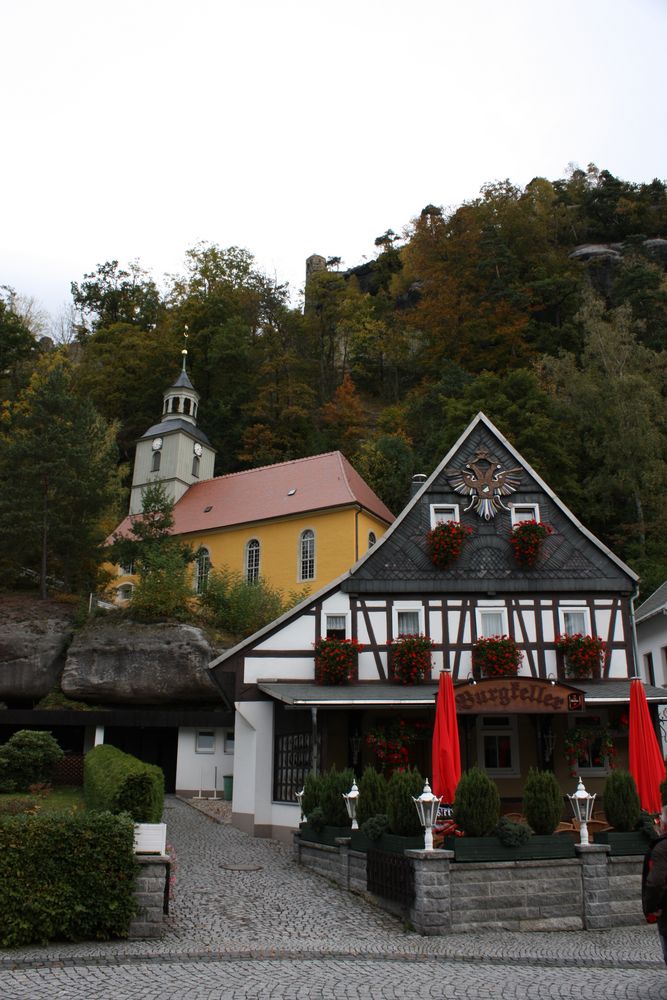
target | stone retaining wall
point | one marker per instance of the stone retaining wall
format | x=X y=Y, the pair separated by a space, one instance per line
x=589 y=892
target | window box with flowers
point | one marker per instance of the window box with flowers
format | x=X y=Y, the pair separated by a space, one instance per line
x=583 y=654
x=336 y=660
x=445 y=542
x=496 y=656
x=588 y=747
x=410 y=659
x=526 y=540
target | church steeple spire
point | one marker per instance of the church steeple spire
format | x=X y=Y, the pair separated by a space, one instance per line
x=181 y=399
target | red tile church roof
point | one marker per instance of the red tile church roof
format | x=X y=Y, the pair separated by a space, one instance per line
x=305 y=484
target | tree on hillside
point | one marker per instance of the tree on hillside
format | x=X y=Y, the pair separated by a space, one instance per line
x=344 y=417
x=17 y=343
x=614 y=402
x=57 y=476
x=112 y=294
x=161 y=561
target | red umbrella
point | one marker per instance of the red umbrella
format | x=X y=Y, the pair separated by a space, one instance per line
x=646 y=764
x=446 y=754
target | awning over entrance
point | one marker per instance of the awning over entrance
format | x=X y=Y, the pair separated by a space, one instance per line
x=528 y=695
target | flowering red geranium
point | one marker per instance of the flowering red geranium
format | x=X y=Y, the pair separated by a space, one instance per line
x=335 y=660
x=496 y=656
x=446 y=541
x=526 y=541
x=390 y=742
x=583 y=654
x=410 y=658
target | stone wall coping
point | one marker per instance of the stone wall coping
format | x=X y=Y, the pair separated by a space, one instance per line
x=435 y=855
x=152 y=859
x=343 y=841
x=592 y=848
x=536 y=863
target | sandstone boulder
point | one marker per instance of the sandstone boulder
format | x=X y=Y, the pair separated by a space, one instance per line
x=126 y=662
x=32 y=654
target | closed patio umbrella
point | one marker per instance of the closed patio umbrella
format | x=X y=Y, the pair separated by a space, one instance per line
x=446 y=755
x=646 y=763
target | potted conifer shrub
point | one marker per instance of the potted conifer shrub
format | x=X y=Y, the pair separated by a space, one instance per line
x=372 y=803
x=623 y=811
x=324 y=806
x=405 y=830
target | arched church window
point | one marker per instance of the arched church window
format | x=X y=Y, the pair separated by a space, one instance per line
x=186 y=405
x=307 y=555
x=195 y=467
x=252 y=561
x=157 y=456
x=202 y=569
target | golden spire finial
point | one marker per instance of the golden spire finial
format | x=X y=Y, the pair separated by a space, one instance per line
x=184 y=352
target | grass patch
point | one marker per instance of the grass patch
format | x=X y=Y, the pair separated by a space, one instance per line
x=64 y=798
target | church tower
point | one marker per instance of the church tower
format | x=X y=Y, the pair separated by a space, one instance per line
x=174 y=452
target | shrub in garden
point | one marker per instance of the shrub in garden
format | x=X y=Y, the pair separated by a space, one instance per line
x=621 y=801
x=476 y=803
x=372 y=795
x=117 y=782
x=402 y=787
x=374 y=827
x=542 y=801
x=511 y=834
x=27 y=758
x=68 y=876
x=334 y=785
x=312 y=793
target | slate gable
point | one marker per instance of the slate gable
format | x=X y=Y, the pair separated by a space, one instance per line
x=571 y=559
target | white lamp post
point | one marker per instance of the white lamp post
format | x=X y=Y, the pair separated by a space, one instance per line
x=299 y=796
x=582 y=807
x=427 y=806
x=351 y=798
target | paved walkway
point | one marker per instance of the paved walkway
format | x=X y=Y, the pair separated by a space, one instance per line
x=248 y=922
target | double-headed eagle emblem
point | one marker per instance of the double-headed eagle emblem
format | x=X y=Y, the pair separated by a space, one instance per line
x=483 y=480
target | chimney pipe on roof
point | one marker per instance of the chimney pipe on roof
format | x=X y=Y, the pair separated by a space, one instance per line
x=416 y=484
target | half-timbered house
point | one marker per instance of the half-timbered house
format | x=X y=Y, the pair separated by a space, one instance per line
x=286 y=723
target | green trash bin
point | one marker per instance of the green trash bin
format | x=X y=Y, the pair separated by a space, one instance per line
x=228 y=782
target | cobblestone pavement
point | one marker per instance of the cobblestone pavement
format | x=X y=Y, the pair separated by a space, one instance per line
x=246 y=921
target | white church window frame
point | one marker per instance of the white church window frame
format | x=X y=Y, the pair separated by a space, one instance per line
x=253 y=555
x=202 y=569
x=306 y=554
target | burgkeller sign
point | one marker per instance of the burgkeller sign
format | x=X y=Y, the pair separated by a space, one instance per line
x=510 y=695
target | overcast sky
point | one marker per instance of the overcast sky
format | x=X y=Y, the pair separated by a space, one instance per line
x=133 y=130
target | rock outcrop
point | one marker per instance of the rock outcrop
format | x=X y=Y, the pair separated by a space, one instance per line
x=128 y=663
x=32 y=652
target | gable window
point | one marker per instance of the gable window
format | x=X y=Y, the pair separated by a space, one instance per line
x=498 y=745
x=202 y=568
x=155 y=465
x=492 y=621
x=372 y=539
x=336 y=626
x=524 y=512
x=574 y=621
x=252 y=561
x=307 y=555
x=443 y=512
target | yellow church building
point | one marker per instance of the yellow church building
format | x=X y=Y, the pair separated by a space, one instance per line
x=298 y=524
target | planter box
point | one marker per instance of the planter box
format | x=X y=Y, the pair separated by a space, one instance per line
x=634 y=842
x=150 y=838
x=325 y=836
x=535 y=849
x=389 y=842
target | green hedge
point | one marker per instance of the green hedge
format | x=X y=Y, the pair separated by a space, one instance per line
x=66 y=876
x=117 y=782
